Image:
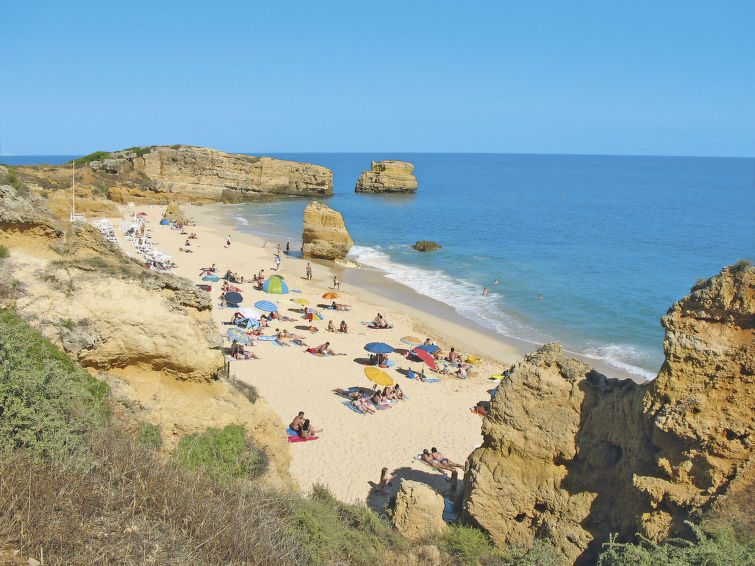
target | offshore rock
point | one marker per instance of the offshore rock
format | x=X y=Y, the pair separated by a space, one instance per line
x=387 y=177
x=573 y=456
x=325 y=235
x=426 y=246
x=418 y=511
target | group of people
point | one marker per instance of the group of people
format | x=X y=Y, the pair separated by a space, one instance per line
x=239 y=353
x=303 y=427
x=438 y=460
x=343 y=327
x=380 y=322
x=366 y=401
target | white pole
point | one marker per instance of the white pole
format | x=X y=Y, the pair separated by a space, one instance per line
x=73 y=190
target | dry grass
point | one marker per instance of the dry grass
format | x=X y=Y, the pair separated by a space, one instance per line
x=124 y=506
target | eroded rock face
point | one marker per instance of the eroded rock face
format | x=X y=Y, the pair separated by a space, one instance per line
x=387 y=177
x=426 y=246
x=325 y=235
x=418 y=511
x=574 y=456
x=199 y=174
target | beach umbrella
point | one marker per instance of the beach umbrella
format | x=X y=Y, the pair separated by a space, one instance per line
x=266 y=306
x=429 y=348
x=412 y=340
x=378 y=376
x=247 y=322
x=313 y=316
x=425 y=357
x=239 y=335
x=275 y=286
x=141 y=214
x=210 y=278
x=378 y=348
x=301 y=301
x=165 y=222
x=330 y=296
x=248 y=312
x=233 y=297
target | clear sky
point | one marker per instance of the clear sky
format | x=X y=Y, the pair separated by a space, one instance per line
x=657 y=77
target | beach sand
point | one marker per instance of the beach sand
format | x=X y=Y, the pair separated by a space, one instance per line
x=352 y=448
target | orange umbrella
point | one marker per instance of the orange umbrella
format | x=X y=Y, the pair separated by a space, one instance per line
x=330 y=296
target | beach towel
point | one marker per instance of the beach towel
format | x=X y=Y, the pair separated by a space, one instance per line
x=295 y=290
x=380 y=327
x=232 y=359
x=475 y=411
x=298 y=438
x=291 y=432
x=316 y=353
x=418 y=457
x=412 y=375
x=348 y=405
x=266 y=338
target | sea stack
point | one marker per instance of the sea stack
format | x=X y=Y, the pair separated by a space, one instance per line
x=387 y=177
x=325 y=235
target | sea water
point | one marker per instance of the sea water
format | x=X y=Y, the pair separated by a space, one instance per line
x=609 y=242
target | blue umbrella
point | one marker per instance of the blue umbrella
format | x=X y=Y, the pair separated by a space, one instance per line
x=238 y=335
x=378 y=348
x=266 y=306
x=210 y=278
x=247 y=323
x=429 y=348
x=233 y=297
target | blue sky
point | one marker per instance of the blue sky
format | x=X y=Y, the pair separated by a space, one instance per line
x=647 y=78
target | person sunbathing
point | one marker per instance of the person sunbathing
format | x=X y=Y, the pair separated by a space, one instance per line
x=297 y=422
x=280 y=338
x=379 y=400
x=298 y=340
x=390 y=393
x=360 y=405
x=326 y=349
x=397 y=391
x=435 y=463
x=453 y=357
x=443 y=460
x=236 y=316
x=379 y=321
x=482 y=408
x=307 y=429
x=344 y=327
x=238 y=352
x=330 y=327
x=339 y=307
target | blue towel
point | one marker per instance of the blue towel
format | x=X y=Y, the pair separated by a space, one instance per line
x=348 y=405
x=295 y=290
x=291 y=432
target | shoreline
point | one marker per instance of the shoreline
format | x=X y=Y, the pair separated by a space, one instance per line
x=375 y=288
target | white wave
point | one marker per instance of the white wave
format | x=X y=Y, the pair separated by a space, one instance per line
x=243 y=221
x=620 y=356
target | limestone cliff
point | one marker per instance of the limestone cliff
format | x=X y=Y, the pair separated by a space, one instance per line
x=325 y=235
x=574 y=456
x=387 y=177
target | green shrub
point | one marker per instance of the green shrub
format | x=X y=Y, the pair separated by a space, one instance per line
x=67 y=323
x=177 y=146
x=702 y=551
x=334 y=532
x=468 y=545
x=222 y=453
x=139 y=151
x=150 y=435
x=11 y=178
x=47 y=403
x=96 y=156
x=44 y=194
x=3 y=252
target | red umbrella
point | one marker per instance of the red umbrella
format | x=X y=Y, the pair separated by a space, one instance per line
x=425 y=357
x=141 y=214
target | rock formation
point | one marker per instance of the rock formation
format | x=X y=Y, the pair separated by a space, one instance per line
x=387 y=177
x=418 y=511
x=573 y=456
x=183 y=173
x=325 y=235
x=426 y=246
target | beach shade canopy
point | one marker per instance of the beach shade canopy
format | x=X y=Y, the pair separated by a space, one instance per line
x=301 y=301
x=313 y=316
x=266 y=306
x=233 y=297
x=378 y=376
x=275 y=286
x=412 y=340
x=330 y=296
x=239 y=335
x=165 y=222
x=429 y=348
x=425 y=357
x=378 y=348
x=141 y=214
x=247 y=322
x=210 y=278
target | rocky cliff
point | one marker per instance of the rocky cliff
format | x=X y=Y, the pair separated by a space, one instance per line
x=387 y=177
x=325 y=235
x=181 y=173
x=573 y=456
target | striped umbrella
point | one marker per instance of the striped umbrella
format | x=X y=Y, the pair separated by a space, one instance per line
x=275 y=286
x=330 y=296
x=313 y=316
x=266 y=306
x=412 y=340
x=239 y=335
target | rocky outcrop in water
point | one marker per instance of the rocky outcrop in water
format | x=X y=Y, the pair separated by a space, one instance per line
x=387 y=177
x=325 y=235
x=573 y=456
x=426 y=246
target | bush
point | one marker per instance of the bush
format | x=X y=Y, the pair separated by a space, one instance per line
x=150 y=435
x=332 y=531
x=96 y=156
x=47 y=404
x=11 y=178
x=139 y=151
x=468 y=545
x=702 y=551
x=221 y=453
x=4 y=252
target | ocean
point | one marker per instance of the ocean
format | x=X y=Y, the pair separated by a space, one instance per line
x=608 y=242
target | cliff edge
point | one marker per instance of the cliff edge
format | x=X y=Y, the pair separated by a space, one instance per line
x=573 y=456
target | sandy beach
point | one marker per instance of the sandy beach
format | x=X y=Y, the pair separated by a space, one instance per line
x=352 y=448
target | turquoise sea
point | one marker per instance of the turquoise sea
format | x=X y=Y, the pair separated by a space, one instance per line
x=609 y=242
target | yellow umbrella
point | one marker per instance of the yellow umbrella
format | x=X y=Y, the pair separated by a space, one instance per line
x=301 y=301
x=378 y=376
x=330 y=296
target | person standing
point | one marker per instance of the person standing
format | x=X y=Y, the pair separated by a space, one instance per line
x=277 y=262
x=309 y=271
x=336 y=283
x=288 y=248
x=228 y=240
